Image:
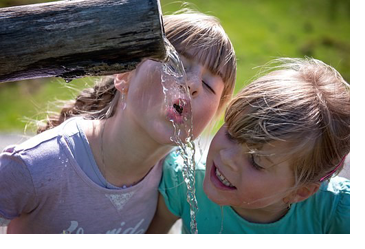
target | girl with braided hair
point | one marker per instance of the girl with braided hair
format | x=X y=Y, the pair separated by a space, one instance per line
x=95 y=167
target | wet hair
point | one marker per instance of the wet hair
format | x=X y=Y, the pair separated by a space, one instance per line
x=303 y=103
x=195 y=33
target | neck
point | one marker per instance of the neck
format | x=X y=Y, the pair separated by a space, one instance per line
x=123 y=157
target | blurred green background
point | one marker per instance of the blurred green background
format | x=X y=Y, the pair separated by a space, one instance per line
x=260 y=30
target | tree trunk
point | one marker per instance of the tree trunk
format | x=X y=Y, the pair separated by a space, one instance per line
x=72 y=39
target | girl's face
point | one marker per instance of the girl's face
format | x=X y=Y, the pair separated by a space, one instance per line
x=146 y=100
x=246 y=181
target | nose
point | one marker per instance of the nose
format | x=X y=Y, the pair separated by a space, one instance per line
x=194 y=82
x=193 y=92
x=227 y=156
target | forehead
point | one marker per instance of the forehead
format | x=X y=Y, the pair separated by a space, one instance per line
x=202 y=56
x=190 y=56
x=216 y=57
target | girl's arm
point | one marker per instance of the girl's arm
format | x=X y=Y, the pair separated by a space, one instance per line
x=163 y=220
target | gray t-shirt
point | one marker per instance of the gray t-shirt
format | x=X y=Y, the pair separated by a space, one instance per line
x=81 y=150
x=43 y=189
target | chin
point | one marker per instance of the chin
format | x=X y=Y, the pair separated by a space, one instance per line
x=163 y=139
x=170 y=135
x=163 y=135
x=210 y=192
x=217 y=201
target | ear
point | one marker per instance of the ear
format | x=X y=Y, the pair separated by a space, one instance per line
x=302 y=193
x=121 y=82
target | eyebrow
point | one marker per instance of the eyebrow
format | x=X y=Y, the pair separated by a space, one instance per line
x=189 y=56
x=267 y=157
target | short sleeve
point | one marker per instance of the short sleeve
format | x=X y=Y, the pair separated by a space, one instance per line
x=172 y=186
x=341 y=221
x=17 y=193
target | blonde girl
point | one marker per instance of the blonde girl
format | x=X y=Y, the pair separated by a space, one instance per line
x=96 y=167
x=271 y=166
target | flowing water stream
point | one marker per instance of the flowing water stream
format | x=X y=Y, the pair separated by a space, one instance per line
x=178 y=99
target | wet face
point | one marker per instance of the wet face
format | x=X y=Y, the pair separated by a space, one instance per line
x=145 y=98
x=146 y=102
x=244 y=180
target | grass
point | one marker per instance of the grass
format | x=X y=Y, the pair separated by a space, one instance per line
x=260 y=30
x=22 y=102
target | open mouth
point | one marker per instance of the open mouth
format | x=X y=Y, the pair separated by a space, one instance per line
x=223 y=181
x=178 y=108
x=179 y=111
x=181 y=106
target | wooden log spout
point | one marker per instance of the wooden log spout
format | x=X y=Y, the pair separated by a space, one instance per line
x=72 y=39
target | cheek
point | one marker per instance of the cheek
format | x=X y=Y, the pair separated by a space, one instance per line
x=259 y=192
x=146 y=90
x=203 y=114
x=147 y=103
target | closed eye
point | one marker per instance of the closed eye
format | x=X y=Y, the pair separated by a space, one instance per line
x=208 y=86
x=254 y=164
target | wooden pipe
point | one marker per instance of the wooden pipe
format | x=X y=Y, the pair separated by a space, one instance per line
x=72 y=39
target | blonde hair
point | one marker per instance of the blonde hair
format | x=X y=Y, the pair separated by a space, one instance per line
x=303 y=102
x=202 y=37
x=199 y=34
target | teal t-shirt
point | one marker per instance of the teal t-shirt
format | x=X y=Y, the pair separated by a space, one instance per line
x=327 y=211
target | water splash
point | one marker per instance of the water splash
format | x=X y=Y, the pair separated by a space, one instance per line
x=177 y=95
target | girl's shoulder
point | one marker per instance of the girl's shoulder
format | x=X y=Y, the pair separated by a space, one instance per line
x=174 y=165
x=336 y=190
x=331 y=206
x=175 y=161
x=173 y=186
x=41 y=152
x=335 y=195
x=43 y=140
